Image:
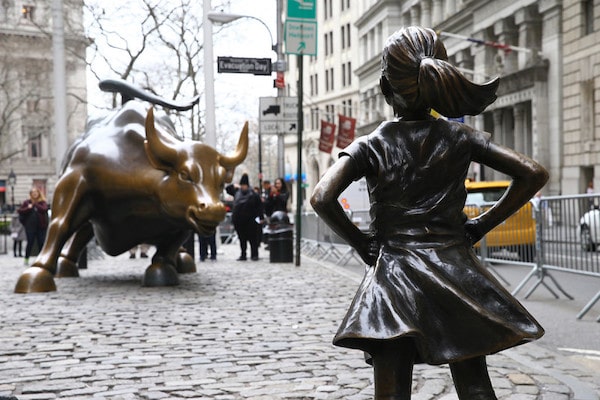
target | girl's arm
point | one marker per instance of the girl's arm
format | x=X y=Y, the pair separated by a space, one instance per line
x=325 y=202
x=528 y=177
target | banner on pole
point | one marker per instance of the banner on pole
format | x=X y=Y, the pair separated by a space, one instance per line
x=327 y=136
x=346 y=133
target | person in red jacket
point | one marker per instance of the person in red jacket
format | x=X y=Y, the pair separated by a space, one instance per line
x=33 y=214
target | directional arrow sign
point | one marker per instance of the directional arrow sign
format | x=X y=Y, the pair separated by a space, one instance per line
x=301 y=37
x=278 y=115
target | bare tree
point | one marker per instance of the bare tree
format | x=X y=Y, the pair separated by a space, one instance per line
x=156 y=44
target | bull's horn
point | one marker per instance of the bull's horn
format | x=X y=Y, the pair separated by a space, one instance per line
x=240 y=152
x=161 y=155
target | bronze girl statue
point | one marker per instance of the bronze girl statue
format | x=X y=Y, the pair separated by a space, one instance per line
x=426 y=298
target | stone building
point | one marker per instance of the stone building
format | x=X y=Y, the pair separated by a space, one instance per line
x=526 y=116
x=581 y=63
x=27 y=133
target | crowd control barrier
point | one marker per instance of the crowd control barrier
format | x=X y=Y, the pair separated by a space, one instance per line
x=554 y=233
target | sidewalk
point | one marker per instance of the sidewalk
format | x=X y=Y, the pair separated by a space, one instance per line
x=233 y=330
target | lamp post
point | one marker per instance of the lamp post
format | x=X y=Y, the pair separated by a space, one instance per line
x=223 y=18
x=12 y=181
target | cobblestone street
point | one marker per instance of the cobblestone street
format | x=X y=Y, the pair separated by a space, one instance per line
x=233 y=330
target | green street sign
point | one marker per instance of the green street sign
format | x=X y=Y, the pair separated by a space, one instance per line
x=300 y=37
x=302 y=9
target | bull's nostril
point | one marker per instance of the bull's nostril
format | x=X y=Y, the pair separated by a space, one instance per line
x=202 y=206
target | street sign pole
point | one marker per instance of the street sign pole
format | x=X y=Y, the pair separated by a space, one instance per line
x=299 y=168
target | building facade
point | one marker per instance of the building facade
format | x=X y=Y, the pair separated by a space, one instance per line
x=523 y=46
x=581 y=60
x=27 y=133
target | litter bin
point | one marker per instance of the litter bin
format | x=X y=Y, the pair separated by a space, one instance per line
x=281 y=235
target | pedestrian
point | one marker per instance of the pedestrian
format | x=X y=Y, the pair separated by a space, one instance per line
x=246 y=216
x=33 y=214
x=17 y=233
x=591 y=199
x=426 y=296
x=277 y=198
x=204 y=242
x=144 y=248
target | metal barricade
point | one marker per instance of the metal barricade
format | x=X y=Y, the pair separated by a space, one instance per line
x=557 y=233
x=4 y=233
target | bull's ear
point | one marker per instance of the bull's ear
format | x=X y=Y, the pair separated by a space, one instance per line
x=161 y=154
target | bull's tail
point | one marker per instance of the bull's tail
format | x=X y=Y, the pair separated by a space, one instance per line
x=130 y=91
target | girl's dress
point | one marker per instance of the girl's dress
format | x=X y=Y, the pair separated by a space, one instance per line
x=427 y=284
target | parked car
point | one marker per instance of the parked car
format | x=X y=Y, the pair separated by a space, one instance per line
x=516 y=233
x=589 y=229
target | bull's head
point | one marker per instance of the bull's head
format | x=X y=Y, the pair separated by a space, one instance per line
x=194 y=176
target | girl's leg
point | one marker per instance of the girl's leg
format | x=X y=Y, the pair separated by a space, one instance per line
x=392 y=368
x=472 y=380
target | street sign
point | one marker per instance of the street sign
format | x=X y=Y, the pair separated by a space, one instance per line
x=278 y=115
x=240 y=65
x=301 y=37
x=302 y=9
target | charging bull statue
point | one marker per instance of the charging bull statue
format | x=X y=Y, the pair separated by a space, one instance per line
x=128 y=180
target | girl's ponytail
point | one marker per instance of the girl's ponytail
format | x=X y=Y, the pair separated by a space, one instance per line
x=416 y=76
x=445 y=89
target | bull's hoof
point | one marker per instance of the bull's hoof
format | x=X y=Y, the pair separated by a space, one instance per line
x=160 y=275
x=185 y=263
x=35 y=280
x=66 y=268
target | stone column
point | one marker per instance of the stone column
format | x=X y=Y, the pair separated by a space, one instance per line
x=450 y=8
x=507 y=33
x=415 y=15
x=520 y=137
x=529 y=25
x=437 y=14
x=550 y=139
x=426 y=13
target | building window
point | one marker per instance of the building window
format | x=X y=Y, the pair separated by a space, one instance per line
x=34 y=147
x=327 y=9
x=348 y=34
x=27 y=12
x=587 y=110
x=587 y=15
x=330 y=113
x=314 y=85
x=343 y=35
x=328 y=38
x=34 y=141
x=346 y=74
x=349 y=72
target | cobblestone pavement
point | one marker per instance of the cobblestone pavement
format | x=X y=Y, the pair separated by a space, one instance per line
x=233 y=330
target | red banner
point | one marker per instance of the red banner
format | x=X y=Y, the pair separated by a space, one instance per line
x=327 y=136
x=346 y=134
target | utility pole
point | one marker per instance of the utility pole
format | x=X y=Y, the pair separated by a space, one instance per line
x=60 y=86
x=280 y=90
